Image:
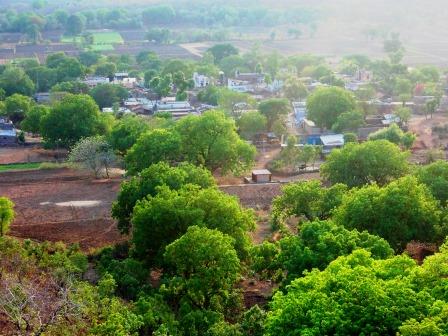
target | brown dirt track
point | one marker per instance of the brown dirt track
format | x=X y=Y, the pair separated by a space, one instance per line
x=38 y=217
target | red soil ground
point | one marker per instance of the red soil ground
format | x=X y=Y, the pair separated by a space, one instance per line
x=39 y=215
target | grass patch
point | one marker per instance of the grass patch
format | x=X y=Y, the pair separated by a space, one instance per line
x=107 y=38
x=71 y=39
x=32 y=166
x=101 y=47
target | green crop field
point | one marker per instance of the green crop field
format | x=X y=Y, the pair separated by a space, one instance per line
x=107 y=38
x=20 y=166
x=101 y=47
x=71 y=39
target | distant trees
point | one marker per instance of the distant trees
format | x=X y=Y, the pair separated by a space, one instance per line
x=17 y=106
x=220 y=51
x=251 y=123
x=105 y=95
x=399 y=212
x=348 y=121
x=6 y=215
x=325 y=105
x=14 y=80
x=93 y=153
x=74 y=117
x=74 y=25
x=274 y=110
x=158 y=35
x=295 y=90
x=158 y=14
x=373 y=161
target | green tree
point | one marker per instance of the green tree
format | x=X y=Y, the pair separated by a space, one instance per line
x=400 y=212
x=158 y=14
x=105 y=95
x=319 y=243
x=404 y=113
x=435 y=177
x=220 y=51
x=161 y=85
x=74 y=25
x=395 y=135
x=15 y=80
x=274 y=109
x=89 y=58
x=126 y=132
x=251 y=123
x=348 y=121
x=294 y=89
x=325 y=105
x=74 y=117
x=159 y=220
x=6 y=215
x=308 y=199
x=152 y=147
x=93 y=153
x=202 y=277
x=211 y=140
x=16 y=107
x=33 y=119
x=159 y=35
x=147 y=182
x=73 y=87
x=106 y=69
x=373 y=161
x=44 y=78
x=328 y=302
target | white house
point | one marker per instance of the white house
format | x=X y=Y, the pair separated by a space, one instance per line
x=200 y=81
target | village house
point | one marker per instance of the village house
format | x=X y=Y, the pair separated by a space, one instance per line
x=200 y=81
x=8 y=134
x=93 y=81
x=246 y=82
x=177 y=109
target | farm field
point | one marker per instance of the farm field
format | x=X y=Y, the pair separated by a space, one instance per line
x=52 y=205
x=107 y=38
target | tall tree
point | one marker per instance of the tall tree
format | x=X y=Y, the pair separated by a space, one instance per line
x=274 y=110
x=326 y=104
x=74 y=117
x=373 y=161
x=400 y=212
x=152 y=147
x=211 y=140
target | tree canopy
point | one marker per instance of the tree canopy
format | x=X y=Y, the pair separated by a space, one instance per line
x=435 y=177
x=325 y=105
x=74 y=117
x=147 y=182
x=159 y=220
x=211 y=140
x=373 y=161
x=152 y=147
x=274 y=110
x=399 y=212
